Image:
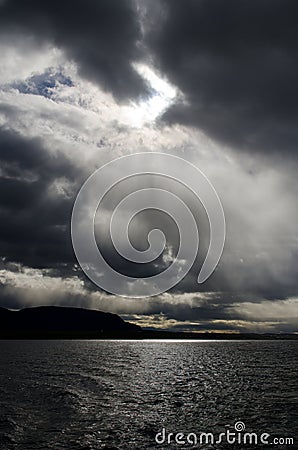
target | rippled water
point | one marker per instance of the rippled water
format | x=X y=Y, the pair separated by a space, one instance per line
x=113 y=394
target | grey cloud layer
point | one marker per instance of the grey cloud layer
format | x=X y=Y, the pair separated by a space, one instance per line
x=22 y=286
x=237 y=69
x=236 y=63
x=34 y=222
x=38 y=188
x=101 y=36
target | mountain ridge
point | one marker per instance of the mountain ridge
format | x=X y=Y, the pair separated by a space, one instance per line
x=63 y=322
x=61 y=318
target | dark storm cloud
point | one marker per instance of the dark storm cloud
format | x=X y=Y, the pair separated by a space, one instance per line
x=100 y=36
x=236 y=63
x=35 y=230
x=34 y=222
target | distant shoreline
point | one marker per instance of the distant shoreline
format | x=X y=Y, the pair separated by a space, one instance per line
x=143 y=335
x=53 y=322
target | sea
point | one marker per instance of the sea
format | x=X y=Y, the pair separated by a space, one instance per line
x=115 y=394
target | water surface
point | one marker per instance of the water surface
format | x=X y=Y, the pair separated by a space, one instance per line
x=88 y=395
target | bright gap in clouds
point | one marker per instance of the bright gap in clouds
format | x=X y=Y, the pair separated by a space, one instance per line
x=163 y=95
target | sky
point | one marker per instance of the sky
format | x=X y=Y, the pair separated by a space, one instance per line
x=213 y=82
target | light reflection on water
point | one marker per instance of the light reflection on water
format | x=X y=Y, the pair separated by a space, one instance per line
x=118 y=394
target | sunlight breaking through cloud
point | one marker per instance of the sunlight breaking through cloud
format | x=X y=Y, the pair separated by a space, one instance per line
x=148 y=110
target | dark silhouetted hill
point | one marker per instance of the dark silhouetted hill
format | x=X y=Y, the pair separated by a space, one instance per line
x=57 y=322
x=62 y=319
